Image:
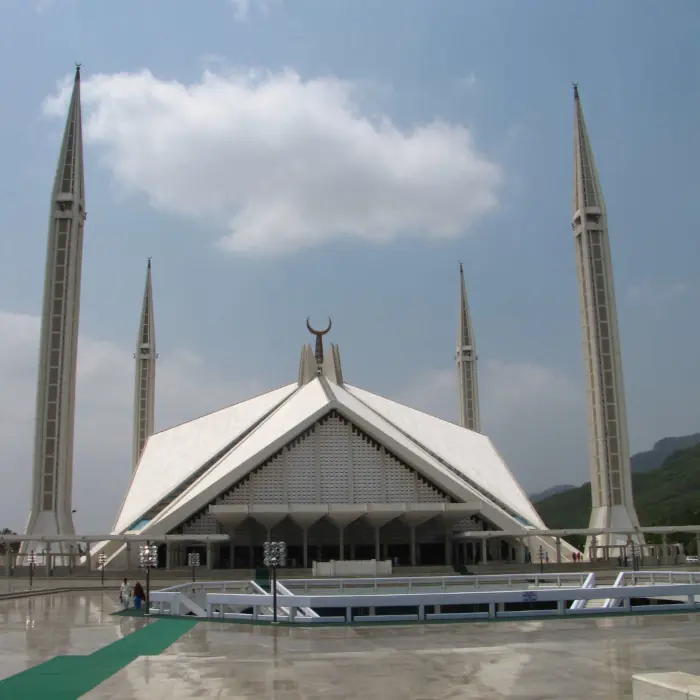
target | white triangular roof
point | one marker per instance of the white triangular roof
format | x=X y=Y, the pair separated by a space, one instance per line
x=457 y=460
x=473 y=454
x=293 y=416
x=173 y=455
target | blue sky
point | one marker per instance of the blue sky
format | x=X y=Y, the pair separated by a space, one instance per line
x=474 y=166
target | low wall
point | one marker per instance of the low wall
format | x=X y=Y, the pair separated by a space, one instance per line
x=665 y=686
x=369 y=567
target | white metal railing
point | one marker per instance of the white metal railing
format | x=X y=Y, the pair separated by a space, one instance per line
x=619 y=581
x=430 y=605
x=441 y=583
x=589 y=582
x=284 y=591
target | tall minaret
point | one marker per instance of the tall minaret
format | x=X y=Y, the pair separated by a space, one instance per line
x=145 y=388
x=466 y=364
x=51 y=508
x=611 y=475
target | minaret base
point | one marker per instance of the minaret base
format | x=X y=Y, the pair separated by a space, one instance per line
x=610 y=544
x=44 y=524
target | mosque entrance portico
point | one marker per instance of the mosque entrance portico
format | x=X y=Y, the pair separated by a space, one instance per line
x=409 y=531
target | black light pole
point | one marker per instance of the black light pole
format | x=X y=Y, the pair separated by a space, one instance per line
x=540 y=554
x=275 y=556
x=102 y=560
x=32 y=561
x=148 y=555
x=193 y=562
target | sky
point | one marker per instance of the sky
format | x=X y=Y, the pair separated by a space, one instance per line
x=280 y=159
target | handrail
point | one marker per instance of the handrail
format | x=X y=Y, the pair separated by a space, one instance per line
x=492 y=598
x=300 y=606
x=588 y=583
x=619 y=582
x=281 y=588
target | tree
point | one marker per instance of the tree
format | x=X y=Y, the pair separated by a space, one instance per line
x=14 y=546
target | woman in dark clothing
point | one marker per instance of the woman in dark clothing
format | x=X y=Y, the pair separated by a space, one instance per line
x=139 y=595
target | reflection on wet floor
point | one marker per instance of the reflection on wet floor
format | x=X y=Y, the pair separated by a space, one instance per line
x=578 y=658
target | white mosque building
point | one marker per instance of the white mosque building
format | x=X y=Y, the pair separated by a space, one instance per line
x=335 y=471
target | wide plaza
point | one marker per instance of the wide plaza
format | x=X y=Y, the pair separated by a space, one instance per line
x=580 y=658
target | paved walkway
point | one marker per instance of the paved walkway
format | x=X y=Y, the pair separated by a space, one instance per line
x=111 y=657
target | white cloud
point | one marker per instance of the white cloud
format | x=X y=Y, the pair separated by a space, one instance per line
x=186 y=389
x=658 y=295
x=468 y=81
x=281 y=162
x=242 y=8
x=535 y=417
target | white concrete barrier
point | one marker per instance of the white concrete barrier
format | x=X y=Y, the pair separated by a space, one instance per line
x=665 y=686
x=369 y=567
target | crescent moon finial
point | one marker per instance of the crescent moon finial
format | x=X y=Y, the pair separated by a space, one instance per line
x=315 y=332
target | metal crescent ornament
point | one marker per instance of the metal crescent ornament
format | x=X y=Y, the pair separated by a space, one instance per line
x=315 y=332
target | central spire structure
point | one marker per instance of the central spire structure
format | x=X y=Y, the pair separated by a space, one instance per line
x=51 y=507
x=610 y=469
x=145 y=385
x=466 y=364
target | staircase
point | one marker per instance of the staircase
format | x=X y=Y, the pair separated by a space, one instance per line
x=595 y=603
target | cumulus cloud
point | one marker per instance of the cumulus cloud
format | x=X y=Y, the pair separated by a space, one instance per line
x=282 y=163
x=534 y=415
x=243 y=8
x=186 y=388
x=660 y=295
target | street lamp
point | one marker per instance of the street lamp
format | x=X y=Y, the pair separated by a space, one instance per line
x=32 y=563
x=102 y=560
x=275 y=554
x=193 y=562
x=148 y=559
x=541 y=555
x=636 y=551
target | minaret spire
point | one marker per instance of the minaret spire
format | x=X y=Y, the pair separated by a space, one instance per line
x=466 y=364
x=145 y=386
x=51 y=507
x=611 y=477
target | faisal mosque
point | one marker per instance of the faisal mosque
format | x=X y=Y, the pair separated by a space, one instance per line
x=335 y=471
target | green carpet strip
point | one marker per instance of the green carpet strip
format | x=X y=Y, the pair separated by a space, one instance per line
x=69 y=677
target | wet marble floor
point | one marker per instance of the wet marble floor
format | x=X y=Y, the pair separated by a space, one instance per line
x=543 y=660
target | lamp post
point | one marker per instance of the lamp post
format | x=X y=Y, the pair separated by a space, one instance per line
x=32 y=563
x=148 y=559
x=275 y=554
x=635 y=551
x=102 y=560
x=193 y=562
x=540 y=554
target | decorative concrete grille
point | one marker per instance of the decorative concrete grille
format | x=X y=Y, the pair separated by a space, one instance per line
x=334 y=459
x=204 y=524
x=333 y=462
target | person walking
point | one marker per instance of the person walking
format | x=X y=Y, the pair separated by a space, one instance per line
x=139 y=595
x=125 y=594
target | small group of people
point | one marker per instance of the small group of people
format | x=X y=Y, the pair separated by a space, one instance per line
x=126 y=593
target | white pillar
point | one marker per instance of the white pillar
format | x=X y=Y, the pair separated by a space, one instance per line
x=484 y=551
x=664 y=549
x=210 y=556
x=48 y=558
x=558 y=550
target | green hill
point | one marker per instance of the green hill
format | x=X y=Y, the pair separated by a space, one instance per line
x=669 y=495
x=662 y=450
